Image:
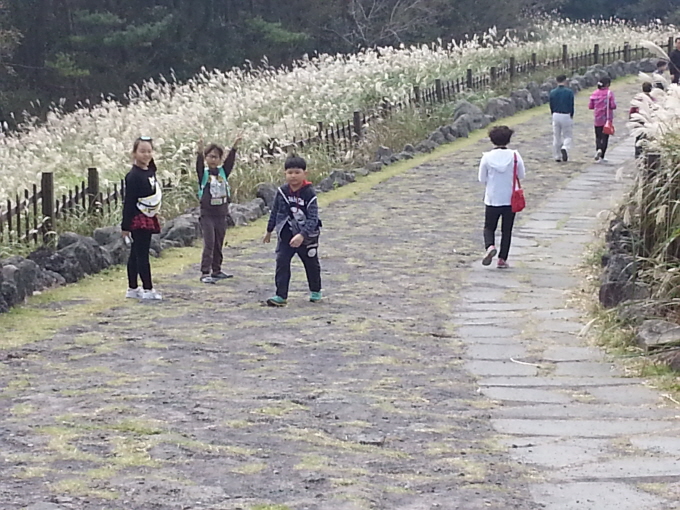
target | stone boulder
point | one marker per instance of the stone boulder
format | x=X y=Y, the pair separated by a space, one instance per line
x=618 y=281
x=267 y=192
x=119 y=251
x=87 y=253
x=522 y=99
x=632 y=67
x=500 y=107
x=658 y=334
x=9 y=293
x=647 y=65
x=67 y=238
x=437 y=137
x=461 y=127
x=155 y=248
x=375 y=166
x=107 y=235
x=363 y=171
x=382 y=153
x=336 y=179
x=47 y=279
x=248 y=212
x=237 y=217
x=466 y=108
x=409 y=148
x=22 y=274
x=575 y=86
x=406 y=155
x=184 y=229
x=426 y=146
x=535 y=92
x=580 y=79
x=56 y=262
x=548 y=85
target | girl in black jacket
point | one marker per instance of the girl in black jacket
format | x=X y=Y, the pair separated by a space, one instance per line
x=142 y=202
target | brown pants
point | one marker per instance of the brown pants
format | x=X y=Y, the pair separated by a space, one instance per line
x=214 y=229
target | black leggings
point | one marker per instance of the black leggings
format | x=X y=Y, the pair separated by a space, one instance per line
x=601 y=140
x=492 y=215
x=138 y=263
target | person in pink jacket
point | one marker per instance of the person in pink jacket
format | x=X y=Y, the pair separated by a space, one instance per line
x=603 y=103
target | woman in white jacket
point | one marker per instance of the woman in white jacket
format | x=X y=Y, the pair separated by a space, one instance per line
x=496 y=170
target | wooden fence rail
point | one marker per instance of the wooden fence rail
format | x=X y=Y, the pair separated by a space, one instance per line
x=35 y=214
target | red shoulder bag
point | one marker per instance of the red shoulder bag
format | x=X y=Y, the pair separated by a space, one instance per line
x=517 y=202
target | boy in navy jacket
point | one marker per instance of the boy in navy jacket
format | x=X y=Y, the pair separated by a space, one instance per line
x=295 y=217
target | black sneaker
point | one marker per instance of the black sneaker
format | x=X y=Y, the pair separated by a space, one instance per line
x=565 y=156
x=221 y=275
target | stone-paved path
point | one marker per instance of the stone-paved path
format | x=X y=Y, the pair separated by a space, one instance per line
x=398 y=391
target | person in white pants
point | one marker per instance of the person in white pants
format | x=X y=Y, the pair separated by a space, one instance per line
x=562 y=109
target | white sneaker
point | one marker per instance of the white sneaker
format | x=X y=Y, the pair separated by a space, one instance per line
x=598 y=155
x=134 y=293
x=151 y=294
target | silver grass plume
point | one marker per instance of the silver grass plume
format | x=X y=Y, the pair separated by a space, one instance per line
x=657 y=50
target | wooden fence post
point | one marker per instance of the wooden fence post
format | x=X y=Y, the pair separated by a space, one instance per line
x=438 y=90
x=565 y=55
x=596 y=54
x=671 y=44
x=647 y=222
x=468 y=79
x=357 y=124
x=513 y=67
x=494 y=75
x=626 y=52
x=416 y=94
x=534 y=61
x=47 y=193
x=92 y=188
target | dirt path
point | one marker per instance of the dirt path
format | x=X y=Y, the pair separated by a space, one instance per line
x=208 y=400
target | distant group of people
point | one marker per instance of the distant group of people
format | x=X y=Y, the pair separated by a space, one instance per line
x=295 y=214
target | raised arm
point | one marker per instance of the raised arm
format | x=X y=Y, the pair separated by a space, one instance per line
x=229 y=162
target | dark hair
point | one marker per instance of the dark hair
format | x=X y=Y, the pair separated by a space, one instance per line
x=604 y=82
x=661 y=63
x=214 y=147
x=561 y=78
x=500 y=135
x=295 y=162
x=647 y=87
x=139 y=140
x=677 y=39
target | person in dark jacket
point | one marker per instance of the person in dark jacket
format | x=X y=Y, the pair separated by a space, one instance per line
x=143 y=196
x=214 y=194
x=675 y=61
x=562 y=109
x=295 y=217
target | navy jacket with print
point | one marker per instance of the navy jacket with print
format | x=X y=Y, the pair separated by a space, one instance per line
x=302 y=205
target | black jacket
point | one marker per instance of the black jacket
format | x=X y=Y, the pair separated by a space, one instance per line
x=675 y=62
x=295 y=212
x=137 y=185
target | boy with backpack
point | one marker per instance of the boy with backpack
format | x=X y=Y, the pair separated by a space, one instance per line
x=214 y=194
x=295 y=217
